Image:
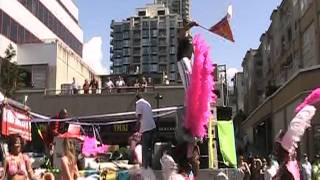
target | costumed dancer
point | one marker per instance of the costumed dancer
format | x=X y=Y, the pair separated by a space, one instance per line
x=184 y=63
x=197 y=114
x=286 y=143
x=184 y=52
x=69 y=170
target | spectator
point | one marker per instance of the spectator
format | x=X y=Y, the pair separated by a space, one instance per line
x=244 y=168
x=271 y=170
x=109 y=85
x=17 y=165
x=86 y=87
x=137 y=84
x=257 y=173
x=94 y=85
x=150 y=81
x=120 y=83
x=147 y=128
x=316 y=168
x=144 y=84
x=74 y=86
x=306 y=168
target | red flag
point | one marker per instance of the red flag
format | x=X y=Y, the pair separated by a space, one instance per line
x=222 y=28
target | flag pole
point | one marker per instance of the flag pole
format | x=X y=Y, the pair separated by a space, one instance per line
x=203 y=27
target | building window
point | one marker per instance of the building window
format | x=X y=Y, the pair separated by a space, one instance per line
x=126 y=60
x=43 y=14
x=145 y=51
x=161 y=12
x=162 y=42
x=40 y=12
x=126 y=35
x=125 y=52
x=6 y=25
x=145 y=25
x=141 y=13
x=154 y=67
x=154 y=50
x=154 y=59
x=145 y=42
x=172 y=23
x=126 y=27
x=13 y=31
x=162 y=25
x=162 y=59
x=136 y=51
x=117 y=28
x=153 y=24
x=154 y=33
x=125 y=43
x=172 y=67
x=154 y=42
x=162 y=50
x=29 y=4
x=146 y=68
x=145 y=58
x=136 y=59
x=172 y=50
x=34 y=8
x=162 y=33
x=163 y=68
x=173 y=76
x=145 y=33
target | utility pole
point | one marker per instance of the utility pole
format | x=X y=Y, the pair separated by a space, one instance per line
x=212 y=143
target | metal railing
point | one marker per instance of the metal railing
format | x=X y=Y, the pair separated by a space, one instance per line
x=114 y=90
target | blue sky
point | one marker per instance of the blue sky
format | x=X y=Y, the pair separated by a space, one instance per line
x=250 y=19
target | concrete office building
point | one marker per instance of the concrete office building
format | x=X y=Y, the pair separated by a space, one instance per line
x=146 y=43
x=47 y=38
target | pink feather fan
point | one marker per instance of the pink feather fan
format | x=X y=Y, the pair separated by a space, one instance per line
x=90 y=147
x=200 y=92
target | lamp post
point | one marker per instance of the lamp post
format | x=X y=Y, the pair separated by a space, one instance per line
x=158 y=97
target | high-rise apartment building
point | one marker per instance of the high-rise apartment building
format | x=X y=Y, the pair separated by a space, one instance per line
x=146 y=43
x=181 y=7
x=47 y=38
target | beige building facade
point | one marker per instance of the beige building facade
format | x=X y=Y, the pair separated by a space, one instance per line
x=51 y=64
x=290 y=56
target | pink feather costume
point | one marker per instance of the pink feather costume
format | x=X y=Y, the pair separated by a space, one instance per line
x=199 y=93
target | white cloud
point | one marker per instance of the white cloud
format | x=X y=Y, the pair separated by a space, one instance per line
x=230 y=74
x=93 y=55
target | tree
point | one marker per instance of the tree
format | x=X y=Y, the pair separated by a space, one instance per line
x=10 y=76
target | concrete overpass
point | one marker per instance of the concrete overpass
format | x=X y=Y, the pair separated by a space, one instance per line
x=40 y=101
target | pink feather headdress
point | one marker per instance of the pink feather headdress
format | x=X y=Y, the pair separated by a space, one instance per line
x=297 y=127
x=200 y=92
x=311 y=99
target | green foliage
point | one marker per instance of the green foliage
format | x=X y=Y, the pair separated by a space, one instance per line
x=10 y=73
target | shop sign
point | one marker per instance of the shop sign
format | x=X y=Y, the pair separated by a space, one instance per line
x=15 y=121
